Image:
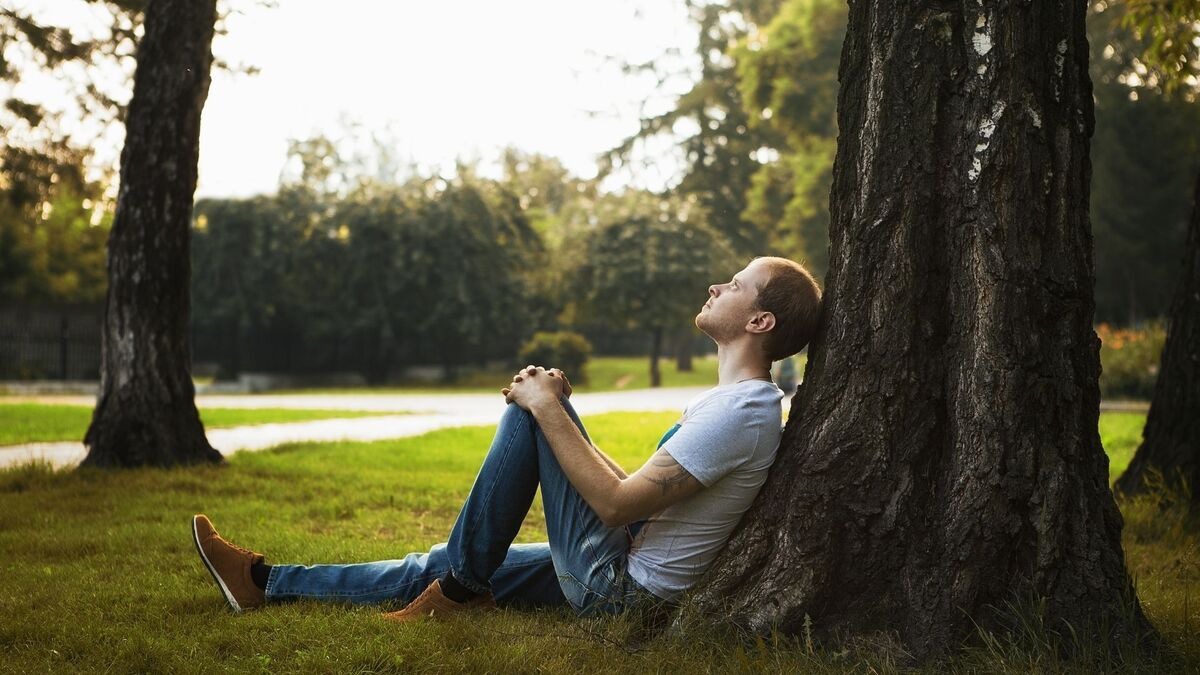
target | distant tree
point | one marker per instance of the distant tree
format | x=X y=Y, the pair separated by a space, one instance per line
x=379 y=289
x=246 y=277
x=32 y=131
x=716 y=138
x=788 y=76
x=552 y=198
x=464 y=254
x=1145 y=156
x=146 y=413
x=1171 y=440
x=53 y=230
x=61 y=261
x=648 y=271
x=53 y=225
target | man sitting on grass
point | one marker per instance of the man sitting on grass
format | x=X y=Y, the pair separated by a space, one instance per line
x=616 y=541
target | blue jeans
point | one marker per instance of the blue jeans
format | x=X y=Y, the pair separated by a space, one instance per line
x=583 y=564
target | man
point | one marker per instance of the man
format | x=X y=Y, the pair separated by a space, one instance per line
x=616 y=541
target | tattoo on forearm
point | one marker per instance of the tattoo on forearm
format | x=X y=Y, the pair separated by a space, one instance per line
x=675 y=476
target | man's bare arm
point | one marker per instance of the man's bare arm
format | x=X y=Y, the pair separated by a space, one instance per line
x=610 y=462
x=667 y=474
x=616 y=500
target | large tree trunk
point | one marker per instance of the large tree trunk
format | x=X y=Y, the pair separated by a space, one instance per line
x=146 y=412
x=942 y=457
x=1171 y=440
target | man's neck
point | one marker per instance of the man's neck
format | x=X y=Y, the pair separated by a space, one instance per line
x=740 y=362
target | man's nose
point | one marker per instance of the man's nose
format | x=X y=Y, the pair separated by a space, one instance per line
x=712 y=290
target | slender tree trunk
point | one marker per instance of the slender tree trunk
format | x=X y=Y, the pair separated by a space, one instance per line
x=684 y=341
x=942 y=457
x=1171 y=440
x=146 y=412
x=238 y=336
x=656 y=339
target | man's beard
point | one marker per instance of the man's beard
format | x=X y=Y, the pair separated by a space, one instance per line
x=710 y=327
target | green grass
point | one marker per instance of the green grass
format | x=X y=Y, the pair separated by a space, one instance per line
x=1121 y=433
x=36 y=422
x=99 y=572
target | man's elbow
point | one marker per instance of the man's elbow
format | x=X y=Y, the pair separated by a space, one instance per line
x=623 y=507
x=617 y=514
x=613 y=517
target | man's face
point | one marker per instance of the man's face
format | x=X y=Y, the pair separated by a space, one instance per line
x=731 y=305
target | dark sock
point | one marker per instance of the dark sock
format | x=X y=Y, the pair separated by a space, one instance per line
x=259 y=572
x=452 y=589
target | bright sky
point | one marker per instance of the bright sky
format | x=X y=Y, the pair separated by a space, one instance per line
x=441 y=79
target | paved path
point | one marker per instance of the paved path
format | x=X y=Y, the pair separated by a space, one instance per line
x=425 y=412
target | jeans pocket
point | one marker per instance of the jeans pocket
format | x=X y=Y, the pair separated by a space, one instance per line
x=604 y=593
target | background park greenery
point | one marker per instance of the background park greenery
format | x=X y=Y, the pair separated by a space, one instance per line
x=112 y=551
x=360 y=264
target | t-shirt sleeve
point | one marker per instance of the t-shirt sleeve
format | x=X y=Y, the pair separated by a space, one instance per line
x=712 y=440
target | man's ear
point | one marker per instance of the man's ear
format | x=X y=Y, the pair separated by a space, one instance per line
x=761 y=323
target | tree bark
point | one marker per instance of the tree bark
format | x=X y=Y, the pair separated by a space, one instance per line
x=656 y=339
x=1171 y=439
x=942 y=457
x=146 y=412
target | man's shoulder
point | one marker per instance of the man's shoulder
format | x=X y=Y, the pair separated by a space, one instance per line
x=738 y=400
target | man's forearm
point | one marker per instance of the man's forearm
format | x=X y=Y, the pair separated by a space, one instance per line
x=611 y=463
x=588 y=469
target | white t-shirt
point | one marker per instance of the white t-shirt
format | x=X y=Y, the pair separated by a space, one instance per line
x=727 y=440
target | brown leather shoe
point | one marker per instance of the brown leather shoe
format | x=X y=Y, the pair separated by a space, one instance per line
x=432 y=603
x=229 y=565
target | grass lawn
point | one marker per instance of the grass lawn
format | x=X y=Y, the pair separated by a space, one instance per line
x=34 y=422
x=1121 y=433
x=99 y=572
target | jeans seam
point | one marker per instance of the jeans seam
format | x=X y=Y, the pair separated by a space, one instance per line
x=389 y=589
x=469 y=527
x=272 y=577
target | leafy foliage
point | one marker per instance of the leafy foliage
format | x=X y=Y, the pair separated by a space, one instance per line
x=649 y=271
x=1130 y=357
x=564 y=350
x=788 y=77
x=366 y=281
x=1145 y=156
x=646 y=268
x=714 y=128
x=53 y=229
x=1170 y=34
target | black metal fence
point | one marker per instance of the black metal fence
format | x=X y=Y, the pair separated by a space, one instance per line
x=50 y=343
x=63 y=343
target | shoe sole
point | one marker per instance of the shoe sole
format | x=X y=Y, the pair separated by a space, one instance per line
x=233 y=604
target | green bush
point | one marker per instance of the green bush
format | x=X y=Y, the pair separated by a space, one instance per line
x=1130 y=358
x=564 y=350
